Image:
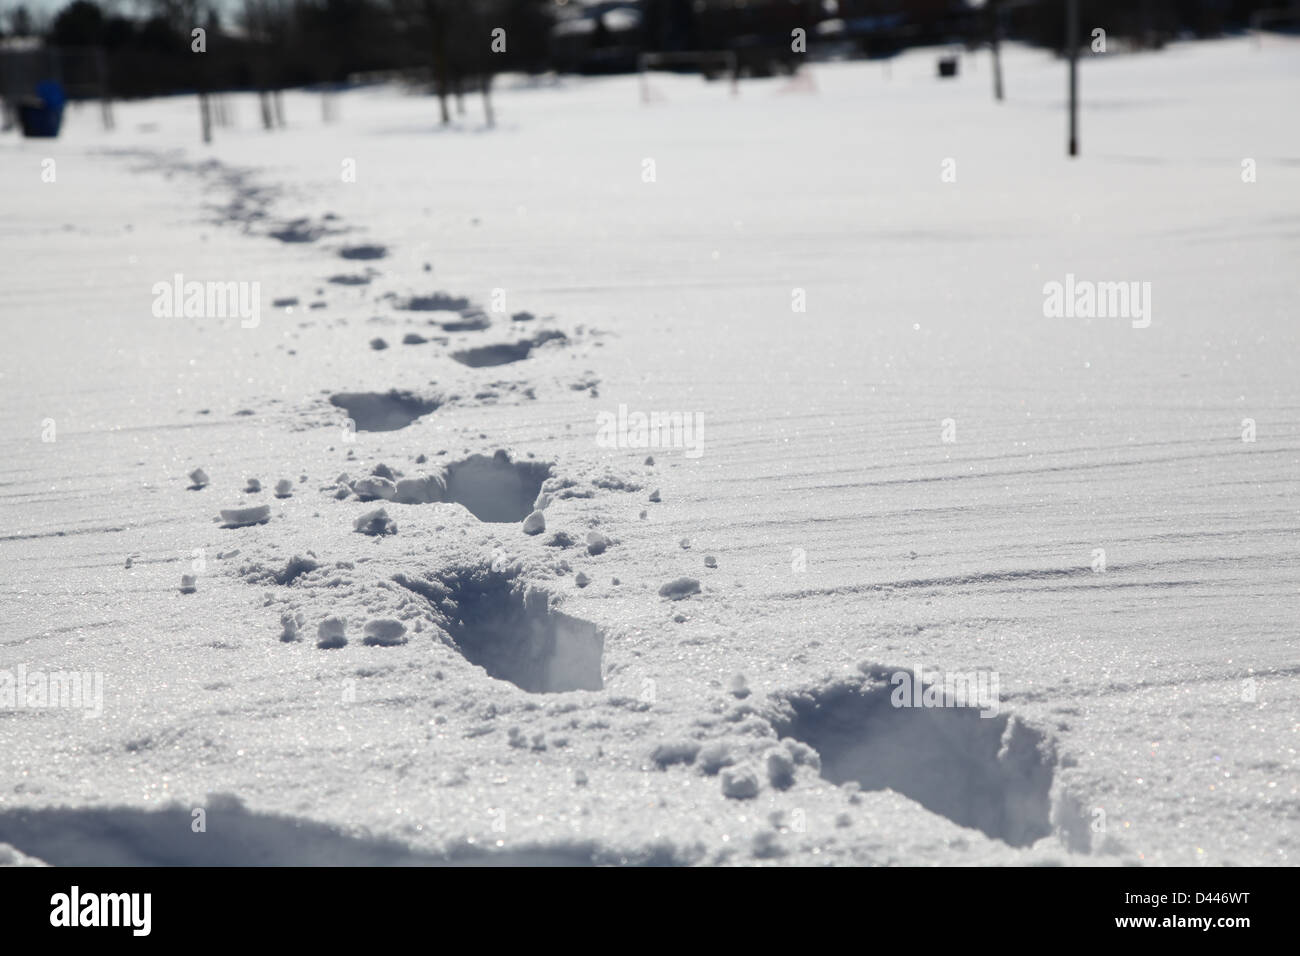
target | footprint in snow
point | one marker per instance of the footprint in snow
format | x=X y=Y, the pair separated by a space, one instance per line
x=363 y=252
x=505 y=353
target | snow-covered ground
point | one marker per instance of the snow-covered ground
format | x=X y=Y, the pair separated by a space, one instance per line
x=919 y=469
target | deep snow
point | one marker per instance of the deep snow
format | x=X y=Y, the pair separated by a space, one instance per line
x=440 y=686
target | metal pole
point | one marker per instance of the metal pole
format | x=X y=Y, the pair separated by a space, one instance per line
x=1072 y=44
x=997 y=56
x=105 y=101
x=205 y=116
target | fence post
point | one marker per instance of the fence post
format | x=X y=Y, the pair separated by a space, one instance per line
x=1072 y=42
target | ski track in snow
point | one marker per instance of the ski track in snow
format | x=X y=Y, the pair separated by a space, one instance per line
x=466 y=666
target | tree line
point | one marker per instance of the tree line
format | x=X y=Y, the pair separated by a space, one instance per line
x=177 y=46
x=456 y=45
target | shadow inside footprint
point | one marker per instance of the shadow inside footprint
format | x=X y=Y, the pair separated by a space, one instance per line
x=383 y=411
x=436 y=302
x=299 y=230
x=512 y=632
x=488 y=355
x=496 y=488
x=363 y=252
x=505 y=352
x=471 y=320
x=991 y=773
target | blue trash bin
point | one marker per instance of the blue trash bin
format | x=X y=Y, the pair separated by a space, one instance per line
x=42 y=115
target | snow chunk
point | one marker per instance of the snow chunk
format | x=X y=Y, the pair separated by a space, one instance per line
x=242 y=517
x=421 y=489
x=674 y=751
x=780 y=769
x=375 y=523
x=714 y=757
x=292 y=623
x=384 y=632
x=680 y=588
x=372 y=487
x=739 y=783
x=331 y=633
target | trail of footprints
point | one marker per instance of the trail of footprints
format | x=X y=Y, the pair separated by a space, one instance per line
x=522 y=641
x=992 y=775
x=451 y=314
x=495 y=489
